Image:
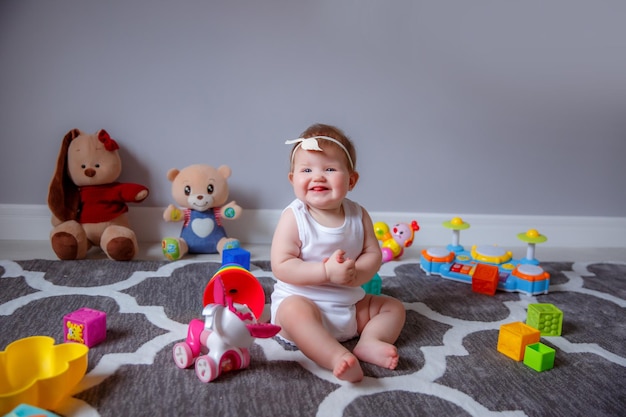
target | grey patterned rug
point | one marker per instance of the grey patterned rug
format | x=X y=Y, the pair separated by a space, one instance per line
x=449 y=362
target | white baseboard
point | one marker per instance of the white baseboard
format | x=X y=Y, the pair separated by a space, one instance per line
x=32 y=222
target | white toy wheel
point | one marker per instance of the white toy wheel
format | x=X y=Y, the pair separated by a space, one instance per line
x=183 y=357
x=245 y=356
x=206 y=369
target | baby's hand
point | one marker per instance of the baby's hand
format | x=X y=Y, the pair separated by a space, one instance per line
x=340 y=270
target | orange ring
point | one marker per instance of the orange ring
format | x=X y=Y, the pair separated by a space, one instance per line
x=241 y=285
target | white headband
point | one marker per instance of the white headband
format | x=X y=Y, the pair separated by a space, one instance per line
x=310 y=144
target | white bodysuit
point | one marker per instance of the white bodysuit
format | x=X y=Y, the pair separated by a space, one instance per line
x=336 y=302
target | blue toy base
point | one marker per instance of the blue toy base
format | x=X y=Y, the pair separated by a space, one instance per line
x=524 y=276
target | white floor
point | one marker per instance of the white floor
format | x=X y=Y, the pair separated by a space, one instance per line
x=35 y=249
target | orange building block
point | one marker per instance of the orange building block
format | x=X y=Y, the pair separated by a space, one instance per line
x=514 y=337
x=485 y=279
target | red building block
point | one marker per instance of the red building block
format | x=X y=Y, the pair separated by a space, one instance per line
x=86 y=326
x=485 y=279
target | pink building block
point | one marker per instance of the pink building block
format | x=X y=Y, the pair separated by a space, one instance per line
x=86 y=326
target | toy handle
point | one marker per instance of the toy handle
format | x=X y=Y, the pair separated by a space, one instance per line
x=263 y=330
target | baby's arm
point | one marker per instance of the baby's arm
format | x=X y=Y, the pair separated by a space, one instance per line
x=285 y=255
x=369 y=261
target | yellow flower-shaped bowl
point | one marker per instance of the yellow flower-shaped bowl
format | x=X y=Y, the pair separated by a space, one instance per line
x=35 y=371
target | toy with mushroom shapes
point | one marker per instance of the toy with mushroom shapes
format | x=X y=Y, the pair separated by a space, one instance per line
x=456 y=224
x=513 y=275
x=531 y=237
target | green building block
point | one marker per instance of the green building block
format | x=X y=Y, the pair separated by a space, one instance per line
x=540 y=357
x=546 y=318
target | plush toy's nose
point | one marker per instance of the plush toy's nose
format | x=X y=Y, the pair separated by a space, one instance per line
x=90 y=172
x=200 y=197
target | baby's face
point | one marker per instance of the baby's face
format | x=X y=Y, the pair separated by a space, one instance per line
x=321 y=179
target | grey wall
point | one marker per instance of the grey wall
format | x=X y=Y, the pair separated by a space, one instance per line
x=488 y=107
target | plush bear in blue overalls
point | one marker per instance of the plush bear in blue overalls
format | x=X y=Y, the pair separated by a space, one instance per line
x=199 y=190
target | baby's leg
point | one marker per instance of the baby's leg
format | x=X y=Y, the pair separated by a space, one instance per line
x=380 y=320
x=301 y=322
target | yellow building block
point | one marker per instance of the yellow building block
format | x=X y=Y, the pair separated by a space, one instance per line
x=514 y=337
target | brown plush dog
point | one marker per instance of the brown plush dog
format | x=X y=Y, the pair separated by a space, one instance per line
x=88 y=206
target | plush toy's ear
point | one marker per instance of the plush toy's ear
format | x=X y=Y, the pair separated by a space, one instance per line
x=225 y=171
x=63 y=197
x=172 y=173
x=109 y=143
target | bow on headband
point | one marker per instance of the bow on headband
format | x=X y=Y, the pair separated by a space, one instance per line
x=310 y=144
x=109 y=143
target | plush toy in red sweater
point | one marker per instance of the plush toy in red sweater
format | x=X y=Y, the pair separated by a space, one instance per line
x=88 y=206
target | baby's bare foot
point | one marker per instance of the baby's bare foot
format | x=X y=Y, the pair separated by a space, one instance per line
x=348 y=368
x=378 y=353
